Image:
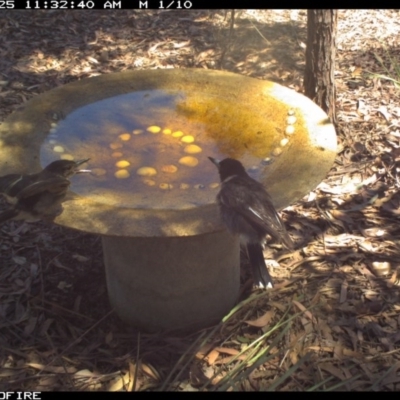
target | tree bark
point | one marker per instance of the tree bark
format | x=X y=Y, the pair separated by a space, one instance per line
x=319 y=79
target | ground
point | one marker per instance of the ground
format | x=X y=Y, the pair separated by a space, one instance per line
x=333 y=321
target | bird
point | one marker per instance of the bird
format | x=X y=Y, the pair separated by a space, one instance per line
x=246 y=209
x=38 y=196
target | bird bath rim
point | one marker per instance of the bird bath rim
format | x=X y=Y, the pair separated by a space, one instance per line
x=22 y=134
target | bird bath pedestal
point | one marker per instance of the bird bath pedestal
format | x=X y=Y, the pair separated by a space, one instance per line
x=170 y=263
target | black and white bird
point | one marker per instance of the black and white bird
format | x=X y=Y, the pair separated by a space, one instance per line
x=247 y=210
x=38 y=196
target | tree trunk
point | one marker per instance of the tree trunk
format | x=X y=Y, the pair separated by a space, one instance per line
x=319 y=79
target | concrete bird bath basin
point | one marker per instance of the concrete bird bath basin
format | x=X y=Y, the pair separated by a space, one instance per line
x=170 y=264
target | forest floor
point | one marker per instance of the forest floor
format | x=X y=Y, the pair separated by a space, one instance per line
x=334 y=320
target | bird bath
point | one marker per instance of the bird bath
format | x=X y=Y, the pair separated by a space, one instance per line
x=170 y=263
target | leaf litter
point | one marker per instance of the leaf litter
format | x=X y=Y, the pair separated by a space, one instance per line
x=333 y=321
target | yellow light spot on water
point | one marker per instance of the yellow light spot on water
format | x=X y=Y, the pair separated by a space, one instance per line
x=137 y=131
x=266 y=160
x=166 y=131
x=189 y=161
x=122 y=174
x=67 y=157
x=177 y=134
x=148 y=182
x=58 y=149
x=165 y=186
x=289 y=130
x=188 y=139
x=192 y=149
x=169 y=168
x=184 y=186
x=146 y=171
x=153 y=129
x=284 y=142
x=98 y=171
x=122 y=164
x=125 y=136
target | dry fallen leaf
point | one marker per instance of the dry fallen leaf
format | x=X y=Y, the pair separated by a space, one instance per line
x=52 y=369
x=197 y=376
x=212 y=357
x=119 y=383
x=383 y=110
x=80 y=258
x=307 y=313
x=340 y=241
x=262 y=321
x=343 y=292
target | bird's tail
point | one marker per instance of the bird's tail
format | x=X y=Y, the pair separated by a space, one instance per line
x=261 y=276
x=8 y=214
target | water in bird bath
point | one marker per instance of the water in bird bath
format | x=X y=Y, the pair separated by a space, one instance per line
x=148 y=149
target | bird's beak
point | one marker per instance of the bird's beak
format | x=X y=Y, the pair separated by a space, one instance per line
x=214 y=161
x=80 y=162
